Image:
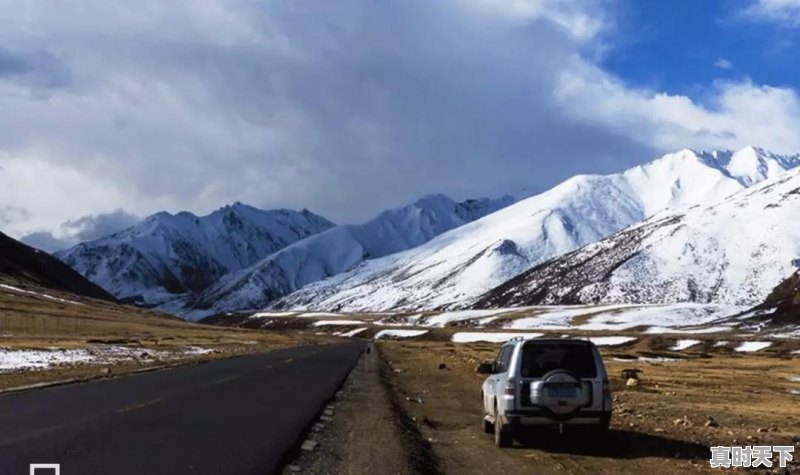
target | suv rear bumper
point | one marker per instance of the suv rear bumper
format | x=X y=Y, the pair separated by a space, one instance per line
x=539 y=417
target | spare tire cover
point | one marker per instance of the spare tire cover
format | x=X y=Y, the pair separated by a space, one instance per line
x=560 y=376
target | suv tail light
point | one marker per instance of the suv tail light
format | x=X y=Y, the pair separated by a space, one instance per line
x=511 y=388
x=606 y=388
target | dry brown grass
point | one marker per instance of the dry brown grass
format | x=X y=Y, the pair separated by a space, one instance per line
x=657 y=428
x=32 y=321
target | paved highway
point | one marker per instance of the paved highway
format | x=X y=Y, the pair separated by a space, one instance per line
x=235 y=416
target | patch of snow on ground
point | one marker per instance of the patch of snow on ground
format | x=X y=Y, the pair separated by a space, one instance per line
x=556 y=317
x=272 y=314
x=444 y=318
x=318 y=315
x=688 y=331
x=681 y=345
x=33 y=359
x=623 y=317
x=322 y=323
x=611 y=340
x=406 y=321
x=496 y=337
x=794 y=379
x=645 y=359
x=721 y=343
x=790 y=334
x=196 y=350
x=750 y=346
x=399 y=333
x=661 y=316
x=353 y=333
x=37 y=294
x=13 y=359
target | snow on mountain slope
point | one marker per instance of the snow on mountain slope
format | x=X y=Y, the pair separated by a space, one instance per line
x=462 y=264
x=167 y=255
x=731 y=252
x=334 y=251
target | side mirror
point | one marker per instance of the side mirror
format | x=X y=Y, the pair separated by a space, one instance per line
x=486 y=368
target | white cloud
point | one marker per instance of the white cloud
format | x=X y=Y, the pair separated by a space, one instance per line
x=344 y=107
x=582 y=20
x=737 y=114
x=723 y=63
x=786 y=12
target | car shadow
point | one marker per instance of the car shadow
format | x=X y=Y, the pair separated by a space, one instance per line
x=620 y=444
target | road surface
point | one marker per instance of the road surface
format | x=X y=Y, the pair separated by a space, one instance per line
x=234 y=416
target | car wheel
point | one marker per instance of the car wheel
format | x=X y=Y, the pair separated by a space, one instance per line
x=502 y=435
x=488 y=427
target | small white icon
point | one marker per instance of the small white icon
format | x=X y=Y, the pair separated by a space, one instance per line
x=52 y=468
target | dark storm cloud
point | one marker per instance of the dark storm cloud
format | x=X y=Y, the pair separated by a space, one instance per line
x=87 y=228
x=342 y=107
x=345 y=107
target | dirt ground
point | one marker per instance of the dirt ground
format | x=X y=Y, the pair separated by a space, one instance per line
x=662 y=426
x=366 y=434
x=38 y=320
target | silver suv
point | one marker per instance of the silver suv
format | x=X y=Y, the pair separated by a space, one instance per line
x=535 y=382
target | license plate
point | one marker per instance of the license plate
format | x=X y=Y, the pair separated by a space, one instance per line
x=563 y=393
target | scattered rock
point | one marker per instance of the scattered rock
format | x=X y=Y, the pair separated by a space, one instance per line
x=632 y=373
x=711 y=422
x=324 y=418
x=328 y=412
x=751 y=438
x=659 y=430
x=309 y=445
x=442 y=366
x=796 y=439
x=762 y=429
x=293 y=468
x=105 y=371
x=632 y=382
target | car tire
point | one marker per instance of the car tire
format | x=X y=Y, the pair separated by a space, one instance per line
x=502 y=435
x=488 y=427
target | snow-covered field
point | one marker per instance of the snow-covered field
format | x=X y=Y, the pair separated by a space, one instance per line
x=681 y=345
x=750 y=346
x=19 y=359
x=399 y=334
x=681 y=327
x=492 y=337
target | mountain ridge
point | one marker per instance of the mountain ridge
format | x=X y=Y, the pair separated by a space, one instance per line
x=21 y=264
x=170 y=254
x=734 y=251
x=311 y=259
x=459 y=266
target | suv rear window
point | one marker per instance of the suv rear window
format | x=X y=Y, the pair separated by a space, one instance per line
x=538 y=359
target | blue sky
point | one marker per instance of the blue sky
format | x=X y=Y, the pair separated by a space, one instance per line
x=682 y=46
x=351 y=107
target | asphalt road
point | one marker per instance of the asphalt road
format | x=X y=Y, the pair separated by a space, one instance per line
x=235 y=416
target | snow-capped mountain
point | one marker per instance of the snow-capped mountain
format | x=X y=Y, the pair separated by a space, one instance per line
x=167 y=255
x=462 y=264
x=334 y=251
x=734 y=252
